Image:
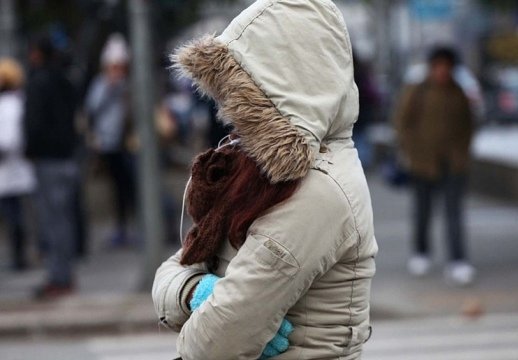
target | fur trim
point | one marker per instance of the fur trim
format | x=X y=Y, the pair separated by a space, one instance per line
x=268 y=137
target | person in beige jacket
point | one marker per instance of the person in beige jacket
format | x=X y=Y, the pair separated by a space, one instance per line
x=282 y=75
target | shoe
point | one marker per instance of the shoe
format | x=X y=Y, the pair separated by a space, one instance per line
x=53 y=291
x=459 y=273
x=419 y=265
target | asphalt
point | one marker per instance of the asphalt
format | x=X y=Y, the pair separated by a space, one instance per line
x=108 y=302
x=446 y=338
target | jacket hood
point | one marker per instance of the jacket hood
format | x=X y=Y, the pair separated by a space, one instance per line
x=282 y=75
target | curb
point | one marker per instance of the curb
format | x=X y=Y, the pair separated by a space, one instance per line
x=78 y=316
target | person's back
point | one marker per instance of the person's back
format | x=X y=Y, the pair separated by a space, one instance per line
x=49 y=118
x=331 y=320
x=282 y=75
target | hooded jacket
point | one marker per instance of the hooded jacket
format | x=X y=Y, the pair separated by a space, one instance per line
x=282 y=75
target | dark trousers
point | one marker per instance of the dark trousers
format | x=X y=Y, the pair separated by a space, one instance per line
x=55 y=205
x=12 y=211
x=121 y=170
x=452 y=187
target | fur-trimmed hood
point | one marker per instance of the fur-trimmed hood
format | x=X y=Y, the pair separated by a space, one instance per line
x=282 y=74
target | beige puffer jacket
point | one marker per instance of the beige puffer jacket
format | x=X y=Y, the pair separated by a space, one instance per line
x=282 y=74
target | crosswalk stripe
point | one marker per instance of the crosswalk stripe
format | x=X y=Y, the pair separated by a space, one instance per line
x=137 y=347
x=478 y=354
x=457 y=340
x=492 y=337
x=132 y=343
x=146 y=356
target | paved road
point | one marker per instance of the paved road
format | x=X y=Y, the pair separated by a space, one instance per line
x=152 y=347
x=135 y=347
x=493 y=337
x=492 y=228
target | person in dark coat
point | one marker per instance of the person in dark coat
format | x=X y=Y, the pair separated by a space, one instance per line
x=50 y=143
x=435 y=125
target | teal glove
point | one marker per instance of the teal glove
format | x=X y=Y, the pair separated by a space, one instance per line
x=275 y=347
x=279 y=343
x=203 y=290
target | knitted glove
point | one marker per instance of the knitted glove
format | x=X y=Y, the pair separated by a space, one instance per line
x=276 y=346
x=203 y=290
x=279 y=343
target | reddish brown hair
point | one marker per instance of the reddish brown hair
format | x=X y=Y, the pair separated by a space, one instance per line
x=228 y=192
x=250 y=194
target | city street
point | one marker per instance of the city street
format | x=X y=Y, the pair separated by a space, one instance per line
x=409 y=314
x=445 y=338
x=105 y=104
x=492 y=234
x=448 y=338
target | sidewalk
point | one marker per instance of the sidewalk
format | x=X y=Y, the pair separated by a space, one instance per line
x=108 y=298
x=492 y=228
x=107 y=302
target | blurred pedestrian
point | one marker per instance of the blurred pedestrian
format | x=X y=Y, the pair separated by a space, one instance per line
x=50 y=143
x=369 y=102
x=107 y=105
x=16 y=173
x=181 y=103
x=435 y=126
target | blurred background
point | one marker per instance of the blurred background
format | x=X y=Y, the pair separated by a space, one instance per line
x=97 y=136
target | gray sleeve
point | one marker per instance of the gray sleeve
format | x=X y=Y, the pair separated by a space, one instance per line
x=171 y=288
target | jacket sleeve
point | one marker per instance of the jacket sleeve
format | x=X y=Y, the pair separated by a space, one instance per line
x=402 y=118
x=10 y=123
x=282 y=255
x=94 y=97
x=171 y=288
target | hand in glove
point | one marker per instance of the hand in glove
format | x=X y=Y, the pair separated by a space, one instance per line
x=278 y=345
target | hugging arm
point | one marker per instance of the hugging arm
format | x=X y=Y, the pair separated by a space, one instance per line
x=246 y=308
x=248 y=305
x=171 y=288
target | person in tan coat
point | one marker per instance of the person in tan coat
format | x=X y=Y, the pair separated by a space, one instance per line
x=435 y=125
x=293 y=280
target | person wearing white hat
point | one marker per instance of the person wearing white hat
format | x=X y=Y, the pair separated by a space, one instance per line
x=107 y=108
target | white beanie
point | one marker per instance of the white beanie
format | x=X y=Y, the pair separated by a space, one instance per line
x=115 y=51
